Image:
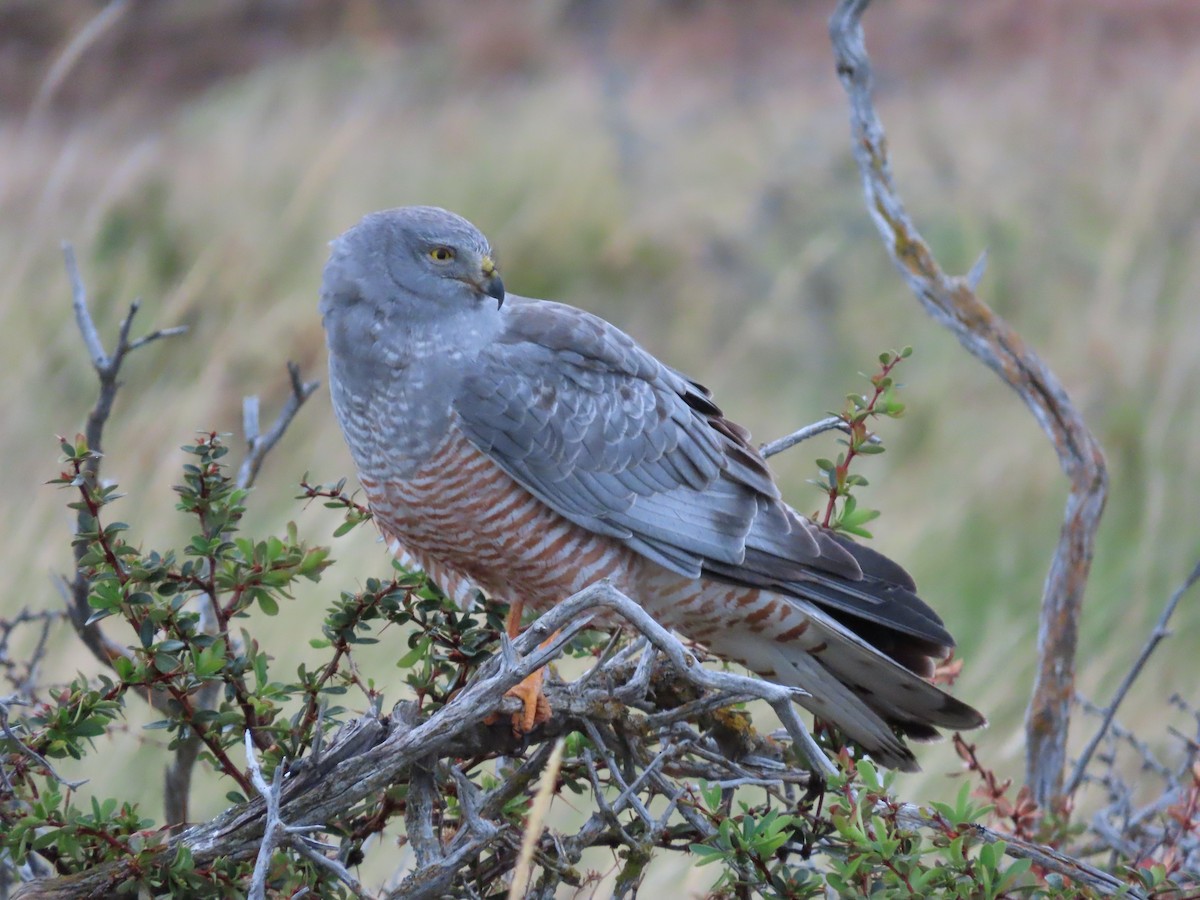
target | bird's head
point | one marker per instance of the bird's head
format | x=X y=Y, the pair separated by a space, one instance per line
x=413 y=264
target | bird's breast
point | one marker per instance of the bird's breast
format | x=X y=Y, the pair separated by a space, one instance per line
x=460 y=514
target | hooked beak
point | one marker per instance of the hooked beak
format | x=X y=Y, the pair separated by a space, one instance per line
x=491 y=283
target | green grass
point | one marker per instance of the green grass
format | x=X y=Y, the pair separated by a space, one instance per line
x=736 y=248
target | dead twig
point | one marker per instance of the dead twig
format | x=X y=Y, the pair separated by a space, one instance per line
x=108 y=368
x=276 y=832
x=951 y=301
x=829 y=423
x=1156 y=636
x=259 y=445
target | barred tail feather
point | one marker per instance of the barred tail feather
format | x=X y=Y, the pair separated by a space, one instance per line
x=869 y=696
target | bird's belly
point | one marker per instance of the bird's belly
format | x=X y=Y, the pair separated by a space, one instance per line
x=468 y=524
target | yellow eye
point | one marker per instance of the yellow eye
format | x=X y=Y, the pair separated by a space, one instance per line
x=441 y=254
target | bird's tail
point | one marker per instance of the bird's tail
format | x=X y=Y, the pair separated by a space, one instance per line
x=865 y=693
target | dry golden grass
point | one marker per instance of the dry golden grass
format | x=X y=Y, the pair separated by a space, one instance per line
x=730 y=239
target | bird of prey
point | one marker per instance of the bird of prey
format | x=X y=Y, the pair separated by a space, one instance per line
x=529 y=449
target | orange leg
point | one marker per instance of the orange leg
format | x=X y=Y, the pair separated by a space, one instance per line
x=536 y=708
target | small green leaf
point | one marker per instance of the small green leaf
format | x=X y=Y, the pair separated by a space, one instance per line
x=410 y=658
x=268 y=604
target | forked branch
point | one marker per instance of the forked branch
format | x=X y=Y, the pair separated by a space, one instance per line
x=108 y=369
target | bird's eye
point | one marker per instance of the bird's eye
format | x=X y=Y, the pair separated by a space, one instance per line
x=441 y=254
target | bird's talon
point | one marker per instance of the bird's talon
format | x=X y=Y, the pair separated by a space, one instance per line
x=535 y=708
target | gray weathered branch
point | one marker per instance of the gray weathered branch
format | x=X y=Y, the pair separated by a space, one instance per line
x=951 y=301
x=829 y=423
x=258 y=445
x=369 y=754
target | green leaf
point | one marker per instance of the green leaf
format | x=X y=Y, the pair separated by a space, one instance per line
x=123 y=666
x=268 y=604
x=868 y=775
x=705 y=854
x=409 y=659
x=98 y=615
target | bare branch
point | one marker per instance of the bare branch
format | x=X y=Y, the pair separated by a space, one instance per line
x=829 y=423
x=419 y=807
x=274 y=829
x=83 y=317
x=153 y=336
x=259 y=445
x=951 y=301
x=1160 y=631
x=108 y=368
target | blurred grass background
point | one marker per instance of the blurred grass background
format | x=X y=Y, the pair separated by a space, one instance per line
x=681 y=168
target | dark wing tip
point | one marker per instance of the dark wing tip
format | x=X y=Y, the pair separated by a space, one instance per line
x=875 y=564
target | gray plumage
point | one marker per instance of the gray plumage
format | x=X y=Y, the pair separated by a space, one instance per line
x=426 y=351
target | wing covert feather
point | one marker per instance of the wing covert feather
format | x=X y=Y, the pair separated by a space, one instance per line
x=602 y=432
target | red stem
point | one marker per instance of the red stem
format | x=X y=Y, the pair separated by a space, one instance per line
x=858 y=434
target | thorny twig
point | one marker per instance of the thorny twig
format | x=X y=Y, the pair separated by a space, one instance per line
x=1156 y=635
x=24 y=748
x=22 y=675
x=1164 y=829
x=952 y=302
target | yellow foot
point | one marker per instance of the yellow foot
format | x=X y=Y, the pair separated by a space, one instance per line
x=536 y=708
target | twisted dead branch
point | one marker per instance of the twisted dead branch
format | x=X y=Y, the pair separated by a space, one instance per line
x=952 y=302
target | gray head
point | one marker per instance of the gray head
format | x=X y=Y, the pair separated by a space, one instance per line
x=408 y=296
x=411 y=264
